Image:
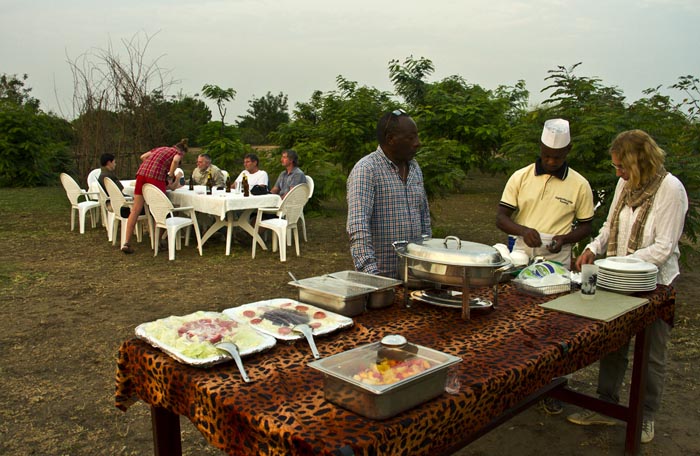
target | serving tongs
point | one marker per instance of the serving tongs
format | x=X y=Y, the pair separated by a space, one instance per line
x=232 y=349
x=306 y=331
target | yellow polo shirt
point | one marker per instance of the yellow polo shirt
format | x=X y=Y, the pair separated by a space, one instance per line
x=547 y=203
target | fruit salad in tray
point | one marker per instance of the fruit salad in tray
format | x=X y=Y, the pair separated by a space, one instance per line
x=191 y=339
x=278 y=317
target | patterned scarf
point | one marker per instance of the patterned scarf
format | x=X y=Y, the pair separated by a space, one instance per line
x=642 y=198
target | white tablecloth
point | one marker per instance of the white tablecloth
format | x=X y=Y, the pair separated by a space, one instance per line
x=225 y=206
x=220 y=203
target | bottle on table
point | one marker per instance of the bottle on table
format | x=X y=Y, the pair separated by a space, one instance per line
x=192 y=181
x=246 y=187
x=228 y=184
x=210 y=184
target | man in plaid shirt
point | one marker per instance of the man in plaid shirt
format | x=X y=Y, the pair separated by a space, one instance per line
x=386 y=198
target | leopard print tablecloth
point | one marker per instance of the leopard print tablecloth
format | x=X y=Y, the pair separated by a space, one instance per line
x=508 y=353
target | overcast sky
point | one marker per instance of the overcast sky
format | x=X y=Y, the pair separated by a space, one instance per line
x=298 y=46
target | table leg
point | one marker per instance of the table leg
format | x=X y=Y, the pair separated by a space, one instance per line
x=213 y=229
x=229 y=231
x=637 y=389
x=244 y=222
x=632 y=414
x=166 y=432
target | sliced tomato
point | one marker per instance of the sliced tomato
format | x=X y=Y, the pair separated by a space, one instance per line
x=249 y=313
x=319 y=315
x=255 y=321
x=284 y=330
x=314 y=325
x=302 y=308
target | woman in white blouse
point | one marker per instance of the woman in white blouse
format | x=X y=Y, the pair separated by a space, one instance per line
x=645 y=221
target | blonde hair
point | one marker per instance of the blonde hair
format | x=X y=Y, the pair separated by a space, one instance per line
x=639 y=155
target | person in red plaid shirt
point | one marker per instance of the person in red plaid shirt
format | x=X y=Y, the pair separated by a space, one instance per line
x=157 y=167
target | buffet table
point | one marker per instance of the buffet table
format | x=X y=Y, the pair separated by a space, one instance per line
x=510 y=356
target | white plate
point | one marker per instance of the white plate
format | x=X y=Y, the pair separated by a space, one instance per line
x=628 y=275
x=247 y=313
x=627 y=264
x=649 y=280
x=614 y=286
x=163 y=334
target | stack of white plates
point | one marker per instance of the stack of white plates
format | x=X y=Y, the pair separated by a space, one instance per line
x=626 y=274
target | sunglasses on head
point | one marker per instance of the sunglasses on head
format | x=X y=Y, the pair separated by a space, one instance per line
x=396 y=113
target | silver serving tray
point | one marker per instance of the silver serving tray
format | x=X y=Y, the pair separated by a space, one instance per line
x=143 y=333
x=382 y=401
x=333 y=321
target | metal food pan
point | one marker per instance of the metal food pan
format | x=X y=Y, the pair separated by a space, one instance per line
x=381 y=401
x=384 y=287
x=339 y=296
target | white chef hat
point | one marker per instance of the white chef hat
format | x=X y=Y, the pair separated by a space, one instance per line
x=555 y=133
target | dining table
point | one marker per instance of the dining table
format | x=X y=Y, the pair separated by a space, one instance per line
x=513 y=354
x=230 y=209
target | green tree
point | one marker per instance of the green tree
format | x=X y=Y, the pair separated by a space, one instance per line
x=334 y=130
x=224 y=145
x=13 y=90
x=263 y=117
x=220 y=96
x=597 y=113
x=182 y=116
x=409 y=78
x=33 y=146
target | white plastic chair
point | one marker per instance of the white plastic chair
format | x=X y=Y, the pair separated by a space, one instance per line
x=106 y=211
x=74 y=193
x=93 y=178
x=160 y=207
x=286 y=221
x=118 y=200
x=309 y=181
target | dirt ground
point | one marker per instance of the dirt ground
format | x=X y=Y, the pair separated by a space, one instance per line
x=69 y=300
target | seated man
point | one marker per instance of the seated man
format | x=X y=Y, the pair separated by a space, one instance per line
x=107 y=166
x=291 y=176
x=255 y=175
x=204 y=167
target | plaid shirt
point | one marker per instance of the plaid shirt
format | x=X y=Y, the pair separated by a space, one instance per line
x=157 y=165
x=383 y=209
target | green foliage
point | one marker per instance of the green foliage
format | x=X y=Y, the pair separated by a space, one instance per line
x=409 y=78
x=468 y=114
x=219 y=95
x=224 y=145
x=265 y=114
x=182 y=117
x=597 y=113
x=319 y=162
x=440 y=161
x=13 y=90
x=33 y=146
x=343 y=121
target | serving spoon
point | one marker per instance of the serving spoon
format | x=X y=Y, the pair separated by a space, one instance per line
x=306 y=331
x=232 y=349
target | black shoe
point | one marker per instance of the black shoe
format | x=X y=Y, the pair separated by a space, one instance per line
x=127 y=249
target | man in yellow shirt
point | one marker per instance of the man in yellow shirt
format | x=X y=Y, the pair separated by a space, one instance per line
x=547 y=205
